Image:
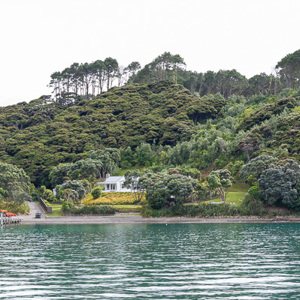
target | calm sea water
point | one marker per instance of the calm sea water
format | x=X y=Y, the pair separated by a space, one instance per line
x=150 y=261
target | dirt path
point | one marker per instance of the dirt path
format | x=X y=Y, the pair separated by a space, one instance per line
x=34 y=208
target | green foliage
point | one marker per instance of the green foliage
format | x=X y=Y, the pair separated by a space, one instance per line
x=202 y=211
x=87 y=209
x=99 y=163
x=87 y=185
x=289 y=69
x=14 y=183
x=164 y=190
x=256 y=166
x=84 y=168
x=144 y=155
x=279 y=185
x=44 y=193
x=71 y=191
x=129 y=116
x=136 y=182
x=252 y=203
x=96 y=192
x=165 y=66
x=235 y=168
x=14 y=207
x=266 y=112
x=66 y=206
x=68 y=195
x=113 y=198
x=218 y=182
x=251 y=206
x=187 y=171
x=214 y=120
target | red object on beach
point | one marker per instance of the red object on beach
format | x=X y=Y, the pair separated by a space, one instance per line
x=9 y=214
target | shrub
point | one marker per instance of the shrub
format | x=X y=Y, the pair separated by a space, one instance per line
x=279 y=185
x=202 y=211
x=66 y=206
x=111 y=198
x=75 y=191
x=209 y=210
x=14 y=207
x=89 y=210
x=164 y=190
x=96 y=192
x=256 y=166
x=252 y=204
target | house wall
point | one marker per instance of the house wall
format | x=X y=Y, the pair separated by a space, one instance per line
x=118 y=187
x=118 y=184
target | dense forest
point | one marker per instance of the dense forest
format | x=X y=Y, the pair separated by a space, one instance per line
x=87 y=80
x=214 y=127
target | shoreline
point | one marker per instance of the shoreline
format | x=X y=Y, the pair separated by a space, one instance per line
x=89 y=220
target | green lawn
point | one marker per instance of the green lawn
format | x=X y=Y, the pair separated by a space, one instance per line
x=239 y=187
x=56 y=210
x=128 y=208
x=235 y=198
x=232 y=197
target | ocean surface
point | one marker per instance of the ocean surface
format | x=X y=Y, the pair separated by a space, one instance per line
x=150 y=261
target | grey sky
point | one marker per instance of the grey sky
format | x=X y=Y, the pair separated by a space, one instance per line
x=39 y=37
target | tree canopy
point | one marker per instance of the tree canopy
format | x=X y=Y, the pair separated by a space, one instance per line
x=280 y=185
x=177 y=123
x=14 y=183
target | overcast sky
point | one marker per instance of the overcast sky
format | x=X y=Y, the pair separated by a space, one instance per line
x=41 y=37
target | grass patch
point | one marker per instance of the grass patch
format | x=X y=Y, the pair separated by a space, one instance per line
x=111 y=198
x=239 y=187
x=56 y=210
x=235 y=198
x=128 y=208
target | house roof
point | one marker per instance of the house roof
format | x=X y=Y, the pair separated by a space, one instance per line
x=112 y=179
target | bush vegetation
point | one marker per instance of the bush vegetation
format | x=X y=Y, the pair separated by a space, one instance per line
x=69 y=209
x=188 y=135
x=111 y=198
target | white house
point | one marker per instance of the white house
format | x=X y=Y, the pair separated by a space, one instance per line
x=113 y=184
x=54 y=190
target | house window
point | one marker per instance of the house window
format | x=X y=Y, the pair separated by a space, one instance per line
x=107 y=187
x=113 y=187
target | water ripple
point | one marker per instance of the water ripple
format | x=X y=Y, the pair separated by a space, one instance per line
x=151 y=261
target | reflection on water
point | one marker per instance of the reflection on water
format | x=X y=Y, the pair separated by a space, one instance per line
x=150 y=261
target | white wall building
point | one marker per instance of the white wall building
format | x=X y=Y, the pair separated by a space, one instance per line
x=113 y=184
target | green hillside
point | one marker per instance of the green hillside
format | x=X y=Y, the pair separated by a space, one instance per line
x=197 y=145
x=39 y=135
